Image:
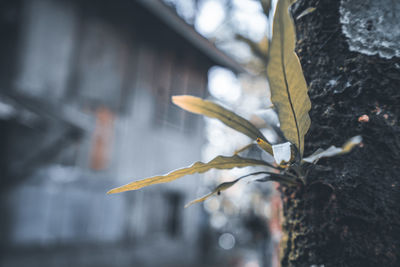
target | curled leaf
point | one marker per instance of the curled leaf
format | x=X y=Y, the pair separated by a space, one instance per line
x=287 y=83
x=213 y=110
x=222 y=187
x=333 y=150
x=217 y=190
x=280 y=178
x=219 y=162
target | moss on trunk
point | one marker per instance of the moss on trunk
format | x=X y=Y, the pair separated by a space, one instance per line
x=348 y=214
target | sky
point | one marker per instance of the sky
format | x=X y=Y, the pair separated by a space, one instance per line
x=246 y=16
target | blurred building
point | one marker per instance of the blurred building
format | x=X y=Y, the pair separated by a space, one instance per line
x=85 y=91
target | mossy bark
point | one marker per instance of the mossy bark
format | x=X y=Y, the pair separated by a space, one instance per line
x=348 y=213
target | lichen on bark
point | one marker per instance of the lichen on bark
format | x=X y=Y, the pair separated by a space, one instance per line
x=372 y=27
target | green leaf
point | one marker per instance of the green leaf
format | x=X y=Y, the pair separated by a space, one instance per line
x=219 y=162
x=333 y=150
x=212 y=110
x=287 y=83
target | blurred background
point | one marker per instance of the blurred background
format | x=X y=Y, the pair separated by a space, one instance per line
x=85 y=90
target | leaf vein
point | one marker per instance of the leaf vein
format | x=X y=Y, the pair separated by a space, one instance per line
x=285 y=79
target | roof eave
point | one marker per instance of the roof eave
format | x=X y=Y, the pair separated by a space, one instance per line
x=169 y=17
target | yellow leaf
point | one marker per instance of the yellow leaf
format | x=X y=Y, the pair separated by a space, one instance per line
x=333 y=150
x=265 y=146
x=219 y=162
x=287 y=83
x=264 y=45
x=306 y=12
x=212 y=110
x=240 y=150
x=351 y=143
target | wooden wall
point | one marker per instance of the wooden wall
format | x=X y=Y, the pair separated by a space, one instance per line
x=114 y=66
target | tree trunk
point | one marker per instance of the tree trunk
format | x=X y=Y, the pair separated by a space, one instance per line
x=348 y=214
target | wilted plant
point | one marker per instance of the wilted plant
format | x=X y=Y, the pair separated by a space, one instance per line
x=289 y=96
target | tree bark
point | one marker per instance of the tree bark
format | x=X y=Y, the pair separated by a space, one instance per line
x=348 y=214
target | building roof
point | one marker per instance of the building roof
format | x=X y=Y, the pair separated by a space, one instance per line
x=171 y=19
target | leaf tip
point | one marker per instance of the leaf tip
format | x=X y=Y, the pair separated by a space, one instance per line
x=352 y=142
x=177 y=99
x=356 y=139
x=112 y=191
x=117 y=190
x=195 y=201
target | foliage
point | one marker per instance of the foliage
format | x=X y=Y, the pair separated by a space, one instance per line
x=290 y=98
x=287 y=83
x=219 y=162
x=212 y=110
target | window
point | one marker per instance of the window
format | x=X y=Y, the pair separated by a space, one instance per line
x=174 y=215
